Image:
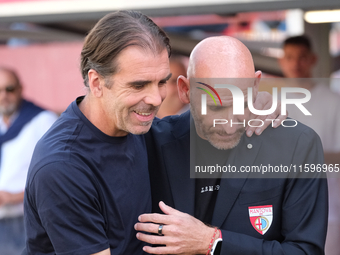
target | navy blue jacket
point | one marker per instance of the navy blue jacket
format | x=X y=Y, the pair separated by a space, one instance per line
x=300 y=206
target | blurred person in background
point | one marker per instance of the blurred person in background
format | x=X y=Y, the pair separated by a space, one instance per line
x=298 y=59
x=172 y=105
x=298 y=62
x=21 y=125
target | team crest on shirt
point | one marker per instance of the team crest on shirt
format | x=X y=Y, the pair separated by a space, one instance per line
x=261 y=217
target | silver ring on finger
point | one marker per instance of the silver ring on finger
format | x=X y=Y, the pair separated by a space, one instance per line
x=160 y=229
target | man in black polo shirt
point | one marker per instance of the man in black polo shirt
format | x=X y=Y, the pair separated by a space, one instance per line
x=88 y=180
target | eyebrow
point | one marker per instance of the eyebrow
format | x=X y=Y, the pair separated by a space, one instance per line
x=145 y=82
x=167 y=78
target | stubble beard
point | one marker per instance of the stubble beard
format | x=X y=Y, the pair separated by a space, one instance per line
x=223 y=145
x=126 y=120
x=209 y=135
x=8 y=110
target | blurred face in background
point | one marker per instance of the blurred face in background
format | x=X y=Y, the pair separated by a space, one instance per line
x=10 y=93
x=297 y=62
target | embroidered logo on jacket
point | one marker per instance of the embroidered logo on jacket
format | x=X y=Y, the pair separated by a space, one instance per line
x=261 y=217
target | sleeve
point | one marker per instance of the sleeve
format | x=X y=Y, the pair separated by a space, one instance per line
x=304 y=212
x=68 y=211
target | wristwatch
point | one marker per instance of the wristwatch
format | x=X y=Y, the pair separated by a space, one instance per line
x=216 y=248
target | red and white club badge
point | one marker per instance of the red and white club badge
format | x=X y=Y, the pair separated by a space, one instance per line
x=261 y=217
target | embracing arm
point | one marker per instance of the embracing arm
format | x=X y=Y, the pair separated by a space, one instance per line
x=182 y=233
x=264 y=101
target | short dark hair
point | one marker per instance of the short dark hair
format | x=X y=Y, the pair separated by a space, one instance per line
x=298 y=40
x=115 y=32
x=13 y=73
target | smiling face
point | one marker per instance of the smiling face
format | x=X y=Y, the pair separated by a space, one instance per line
x=136 y=90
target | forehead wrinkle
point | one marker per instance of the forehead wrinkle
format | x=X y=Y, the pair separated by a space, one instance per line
x=134 y=56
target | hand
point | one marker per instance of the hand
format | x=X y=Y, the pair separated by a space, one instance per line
x=264 y=101
x=5 y=198
x=182 y=233
x=11 y=198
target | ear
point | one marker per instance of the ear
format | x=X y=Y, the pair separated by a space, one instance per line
x=258 y=75
x=183 y=86
x=96 y=83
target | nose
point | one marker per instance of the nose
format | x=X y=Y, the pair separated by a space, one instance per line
x=233 y=124
x=295 y=63
x=155 y=95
